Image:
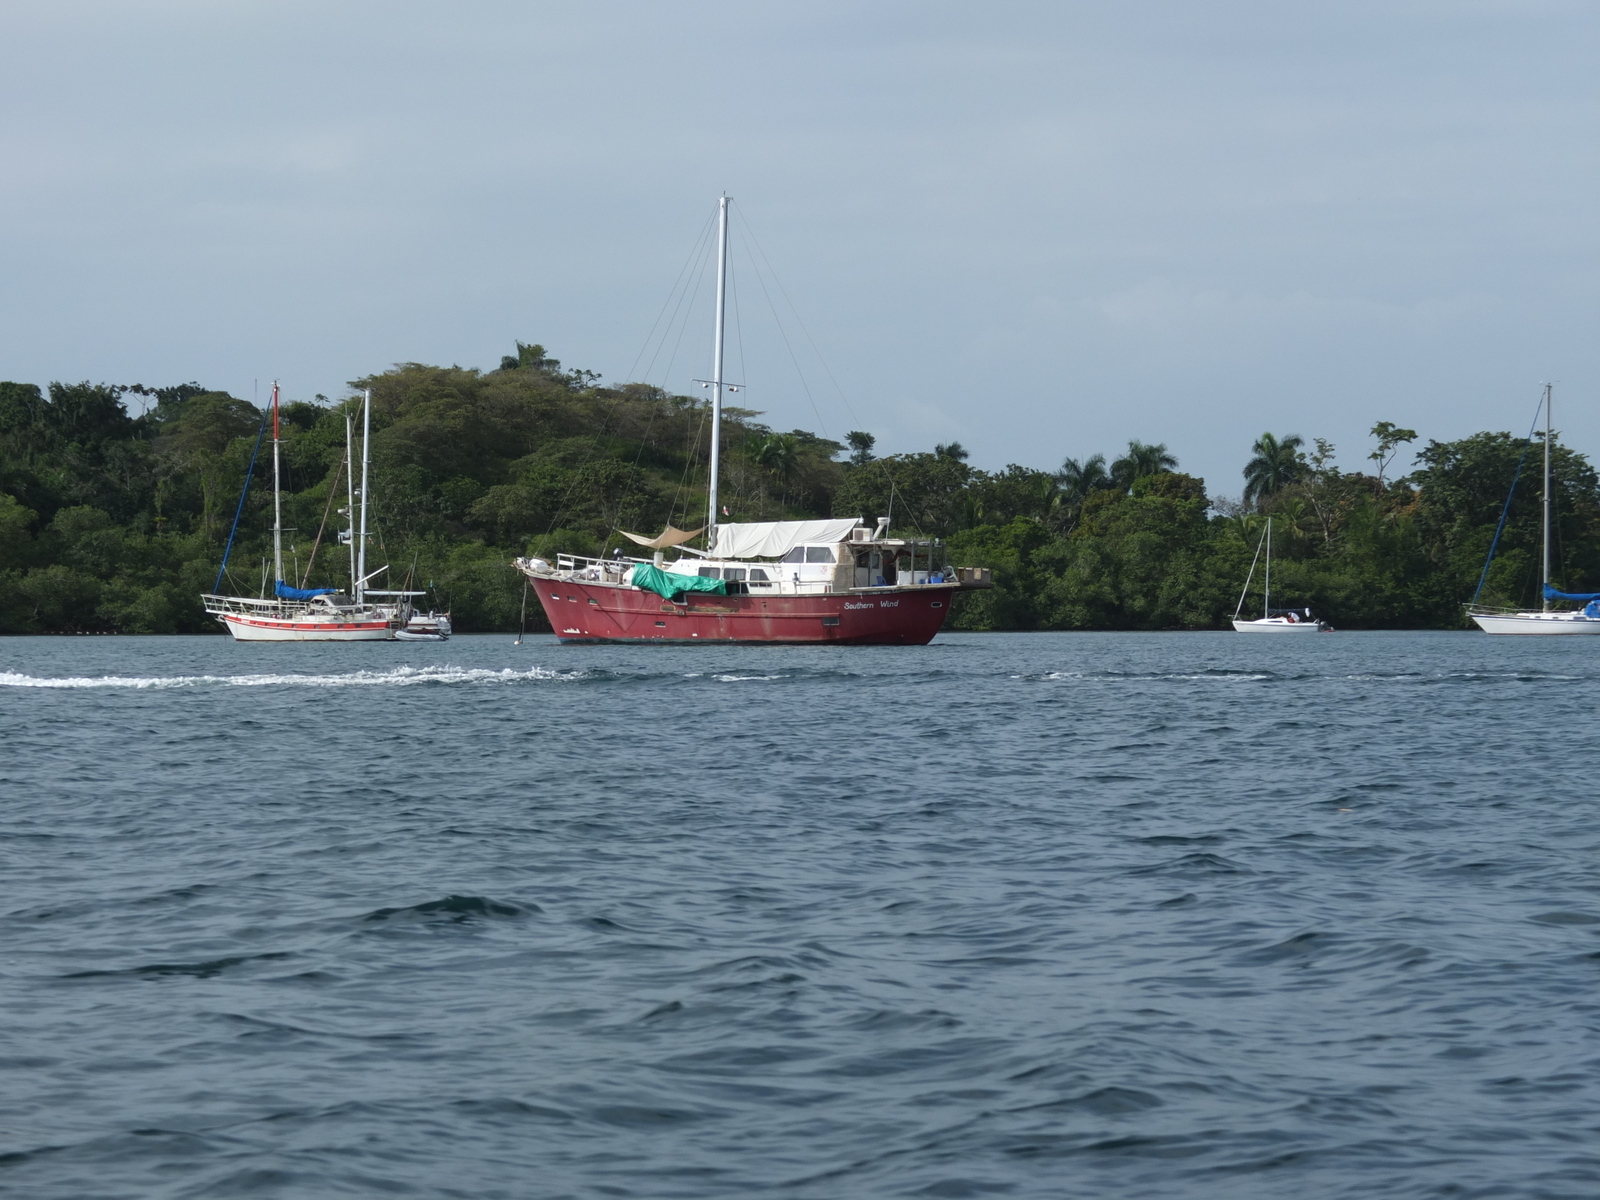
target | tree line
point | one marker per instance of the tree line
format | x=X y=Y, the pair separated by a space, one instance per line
x=116 y=522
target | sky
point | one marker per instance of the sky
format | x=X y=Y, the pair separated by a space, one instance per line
x=1038 y=229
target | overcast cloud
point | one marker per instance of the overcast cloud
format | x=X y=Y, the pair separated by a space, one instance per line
x=1040 y=229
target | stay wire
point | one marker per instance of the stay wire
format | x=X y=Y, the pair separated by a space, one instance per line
x=683 y=328
x=217 y=587
x=679 y=290
x=784 y=334
x=738 y=324
x=684 y=307
x=778 y=283
x=1506 y=509
x=827 y=370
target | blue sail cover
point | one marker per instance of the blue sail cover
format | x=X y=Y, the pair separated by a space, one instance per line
x=1591 y=609
x=285 y=592
x=1551 y=594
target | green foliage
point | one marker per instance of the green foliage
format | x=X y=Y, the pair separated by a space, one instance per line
x=923 y=493
x=1390 y=438
x=1277 y=463
x=861 y=445
x=1140 y=461
x=111 y=522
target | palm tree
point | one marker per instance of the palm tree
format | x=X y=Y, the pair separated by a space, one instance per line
x=779 y=453
x=1277 y=464
x=954 y=451
x=1141 y=460
x=1078 y=479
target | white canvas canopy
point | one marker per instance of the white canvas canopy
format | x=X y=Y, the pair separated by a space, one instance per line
x=672 y=537
x=774 y=539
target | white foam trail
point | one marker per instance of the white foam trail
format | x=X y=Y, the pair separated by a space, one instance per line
x=1097 y=677
x=398 y=677
x=743 y=678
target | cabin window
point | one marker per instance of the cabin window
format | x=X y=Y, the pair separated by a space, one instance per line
x=734 y=573
x=797 y=555
x=757 y=575
x=819 y=554
x=710 y=573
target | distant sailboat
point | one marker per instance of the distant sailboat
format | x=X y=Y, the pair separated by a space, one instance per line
x=1546 y=620
x=293 y=614
x=1273 y=620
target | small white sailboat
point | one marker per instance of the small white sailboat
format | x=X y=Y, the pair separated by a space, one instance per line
x=1273 y=620
x=1585 y=620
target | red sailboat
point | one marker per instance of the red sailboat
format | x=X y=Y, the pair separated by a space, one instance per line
x=781 y=581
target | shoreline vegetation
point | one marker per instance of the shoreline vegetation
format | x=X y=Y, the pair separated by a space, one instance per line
x=112 y=522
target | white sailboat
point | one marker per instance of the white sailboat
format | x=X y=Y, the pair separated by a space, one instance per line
x=1281 y=620
x=1546 y=621
x=294 y=614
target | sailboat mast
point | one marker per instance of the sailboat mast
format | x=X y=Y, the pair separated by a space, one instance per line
x=1266 y=591
x=277 y=498
x=350 y=496
x=1545 y=582
x=716 y=368
x=366 y=457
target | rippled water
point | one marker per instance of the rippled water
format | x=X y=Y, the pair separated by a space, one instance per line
x=1079 y=915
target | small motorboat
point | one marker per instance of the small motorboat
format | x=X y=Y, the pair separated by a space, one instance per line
x=424 y=627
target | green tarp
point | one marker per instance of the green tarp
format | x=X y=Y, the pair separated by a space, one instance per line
x=671 y=585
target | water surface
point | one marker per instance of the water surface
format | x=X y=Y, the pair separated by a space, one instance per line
x=1033 y=915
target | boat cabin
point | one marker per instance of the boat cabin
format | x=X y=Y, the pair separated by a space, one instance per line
x=834 y=567
x=786 y=558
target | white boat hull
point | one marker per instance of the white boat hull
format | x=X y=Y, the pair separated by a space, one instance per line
x=1538 y=623
x=1279 y=625
x=272 y=629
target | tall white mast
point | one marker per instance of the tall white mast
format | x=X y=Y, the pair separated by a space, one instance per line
x=350 y=496
x=1266 y=589
x=716 y=366
x=366 y=457
x=277 y=499
x=1544 y=599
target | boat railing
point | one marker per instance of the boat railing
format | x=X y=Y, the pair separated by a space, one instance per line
x=244 y=604
x=271 y=606
x=595 y=570
x=1498 y=610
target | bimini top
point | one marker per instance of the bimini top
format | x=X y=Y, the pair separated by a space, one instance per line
x=774 y=539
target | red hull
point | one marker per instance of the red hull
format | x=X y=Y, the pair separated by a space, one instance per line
x=585 y=612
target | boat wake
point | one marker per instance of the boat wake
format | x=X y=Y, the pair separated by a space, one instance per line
x=398 y=677
x=1162 y=676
